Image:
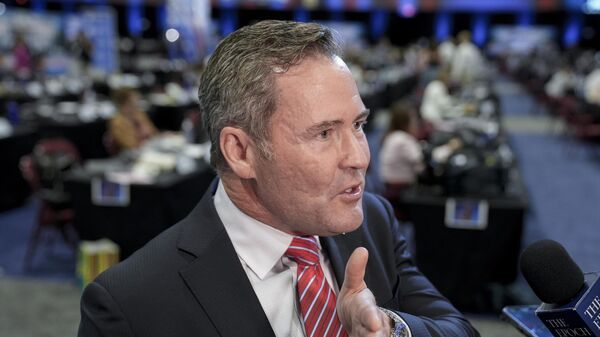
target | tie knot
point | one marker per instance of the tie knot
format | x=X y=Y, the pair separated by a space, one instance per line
x=304 y=250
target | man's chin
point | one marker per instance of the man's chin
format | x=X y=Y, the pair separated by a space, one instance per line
x=348 y=226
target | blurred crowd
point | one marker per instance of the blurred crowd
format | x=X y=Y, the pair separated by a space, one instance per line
x=430 y=92
x=565 y=81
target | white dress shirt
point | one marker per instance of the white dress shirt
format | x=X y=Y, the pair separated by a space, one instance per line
x=260 y=248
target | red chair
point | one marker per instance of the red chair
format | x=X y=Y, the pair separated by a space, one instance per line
x=44 y=171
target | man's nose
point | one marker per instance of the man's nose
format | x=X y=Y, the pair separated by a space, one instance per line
x=355 y=149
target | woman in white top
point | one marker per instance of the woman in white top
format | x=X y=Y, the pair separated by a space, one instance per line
x=401 y=156
x=437 y=102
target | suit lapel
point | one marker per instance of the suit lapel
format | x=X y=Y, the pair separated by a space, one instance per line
x=216 y=277
x=338 y=256
x=340 y=247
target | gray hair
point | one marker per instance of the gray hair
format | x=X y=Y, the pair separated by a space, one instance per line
x=237 y=87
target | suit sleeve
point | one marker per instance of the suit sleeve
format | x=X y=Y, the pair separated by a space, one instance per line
x=101 y=314
x=423 y=308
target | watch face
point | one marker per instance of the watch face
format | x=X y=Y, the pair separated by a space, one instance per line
x=400 y=330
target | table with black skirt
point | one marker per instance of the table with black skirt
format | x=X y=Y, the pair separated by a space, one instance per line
x=170 y=117
x=86 y=136
x=471 y=267
x=152 y=207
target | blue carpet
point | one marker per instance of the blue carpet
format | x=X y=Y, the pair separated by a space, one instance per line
x=514 y=100
x=562 y=180
x=53 y=259
x=518 y=105
x=564 y=193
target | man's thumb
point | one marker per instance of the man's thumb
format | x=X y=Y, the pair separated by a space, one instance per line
x=355 y=270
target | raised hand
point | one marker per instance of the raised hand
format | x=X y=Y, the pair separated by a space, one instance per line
x=356 y=304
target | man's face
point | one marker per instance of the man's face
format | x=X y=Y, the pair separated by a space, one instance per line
x=314 y=182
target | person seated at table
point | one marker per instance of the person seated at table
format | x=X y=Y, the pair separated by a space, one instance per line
x=83 y=50
x=592 y=87
x=130 y=127
x=467 y=62
x=446 y=51
x=401 y=156
x=437 y=101
x=561 y=83
x=22 y=58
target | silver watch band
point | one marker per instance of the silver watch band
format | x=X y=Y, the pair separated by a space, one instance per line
x=399 y=329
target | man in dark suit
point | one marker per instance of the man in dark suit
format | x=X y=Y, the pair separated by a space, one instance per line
x=280 y=244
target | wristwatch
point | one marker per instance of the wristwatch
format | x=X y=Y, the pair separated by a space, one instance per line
x=399 y=328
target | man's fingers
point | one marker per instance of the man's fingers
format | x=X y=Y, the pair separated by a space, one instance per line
x=355 y=270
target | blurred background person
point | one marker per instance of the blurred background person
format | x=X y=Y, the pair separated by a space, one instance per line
x=401 y=156
x=592 y=87
x=436 y=102
x=466 y=61
x=446 y=51
x=562 y=82
x=3 y=70
x=83 y=50
x=22 y=58
x=130 y=127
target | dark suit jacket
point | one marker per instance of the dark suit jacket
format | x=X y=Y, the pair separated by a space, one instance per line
x=188 y=281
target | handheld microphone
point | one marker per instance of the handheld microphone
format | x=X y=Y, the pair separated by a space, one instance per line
x=571 y=300
x=551 y=272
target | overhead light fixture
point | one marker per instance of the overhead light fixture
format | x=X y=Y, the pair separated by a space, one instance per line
x=591 y=7
x=408 y=10
x=172 y=35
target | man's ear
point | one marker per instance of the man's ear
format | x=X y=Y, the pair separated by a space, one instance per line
x=239 y=151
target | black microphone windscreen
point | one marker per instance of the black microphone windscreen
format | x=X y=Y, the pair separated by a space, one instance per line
x=551 y=272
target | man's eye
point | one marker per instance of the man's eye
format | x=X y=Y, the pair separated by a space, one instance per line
x=324 y=134
x=359 y=125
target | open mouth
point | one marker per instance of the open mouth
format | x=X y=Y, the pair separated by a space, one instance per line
x=354 y=190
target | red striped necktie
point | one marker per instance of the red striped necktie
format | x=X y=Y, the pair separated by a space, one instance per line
x=317 y=299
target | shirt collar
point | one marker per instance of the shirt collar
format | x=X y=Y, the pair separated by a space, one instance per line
x=258 y=245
